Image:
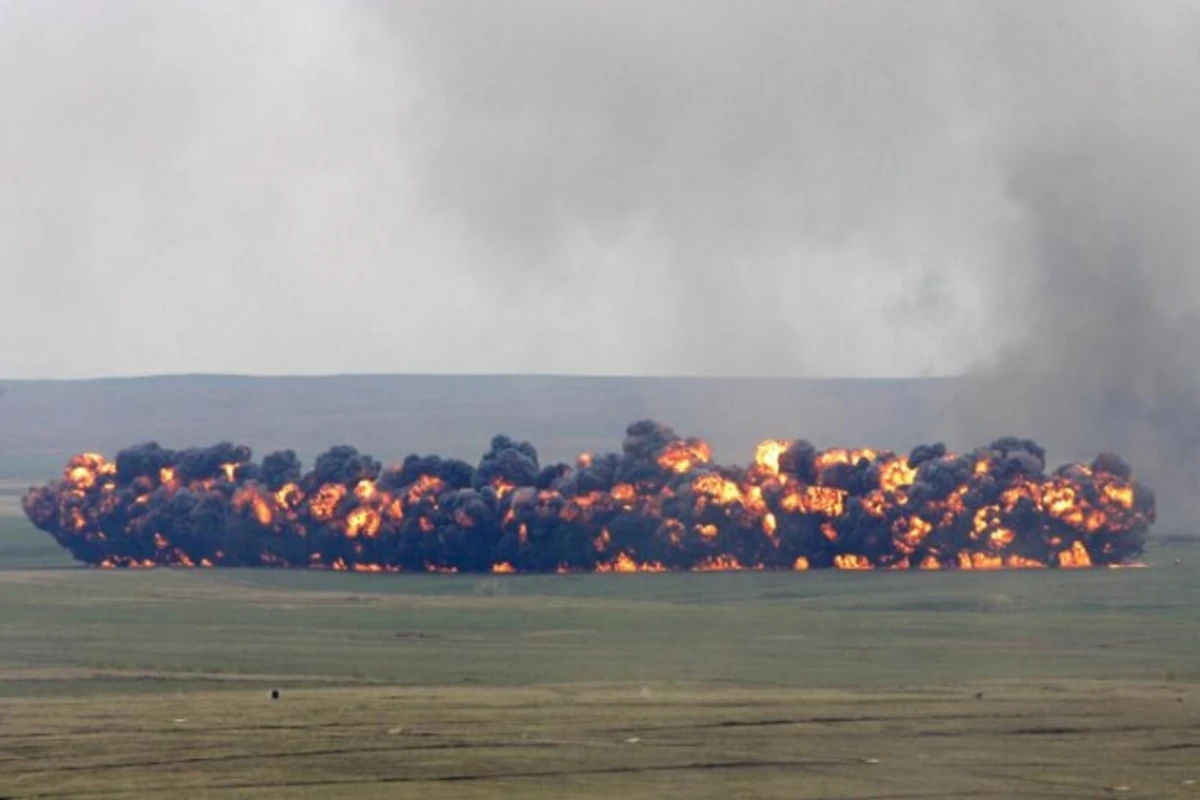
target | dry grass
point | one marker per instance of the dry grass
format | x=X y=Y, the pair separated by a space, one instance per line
x=1058 y=739
x=155 y=684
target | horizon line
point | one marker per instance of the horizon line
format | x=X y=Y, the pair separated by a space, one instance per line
x=465 y=375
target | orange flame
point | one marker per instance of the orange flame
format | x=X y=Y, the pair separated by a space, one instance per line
x=623 y=563
x=844 y=456
x=718 y=564
x=766 y=455
x=774 y=513
x=681 y=456
x=324 y=505
x=852 y=562
x=1076 y=557
x=896 y=475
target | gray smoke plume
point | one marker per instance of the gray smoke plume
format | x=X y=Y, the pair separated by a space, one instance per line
x=1103 y=349
x=1097 y=310
x=1019 y=177
x=769 y=182
x=770 y=187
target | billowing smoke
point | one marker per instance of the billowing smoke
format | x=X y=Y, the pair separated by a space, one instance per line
x=771 y=187
x=1103 y=344
x=1003 y=191
x=659 y=504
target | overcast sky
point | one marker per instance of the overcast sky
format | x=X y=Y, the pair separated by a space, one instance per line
x=808 y=188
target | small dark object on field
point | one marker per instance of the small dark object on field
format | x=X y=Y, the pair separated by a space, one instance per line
x=979 y=695
x=274 y=694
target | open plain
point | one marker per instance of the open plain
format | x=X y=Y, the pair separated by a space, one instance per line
x=813 y=685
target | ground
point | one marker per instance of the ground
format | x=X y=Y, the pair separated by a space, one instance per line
x=815 y=685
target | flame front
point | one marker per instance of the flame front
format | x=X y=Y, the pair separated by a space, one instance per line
x=661 y=504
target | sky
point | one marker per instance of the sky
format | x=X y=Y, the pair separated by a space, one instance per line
x=719 y=188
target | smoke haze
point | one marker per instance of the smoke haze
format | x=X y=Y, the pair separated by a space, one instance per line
x=780 y=188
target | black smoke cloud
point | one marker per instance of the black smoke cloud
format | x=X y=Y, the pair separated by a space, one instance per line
x=659 y=503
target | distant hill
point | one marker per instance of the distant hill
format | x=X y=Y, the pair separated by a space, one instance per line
x=43 y=422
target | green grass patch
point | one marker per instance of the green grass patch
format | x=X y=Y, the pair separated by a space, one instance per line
x=23 y=546
x=821 y=684
x=823 y=629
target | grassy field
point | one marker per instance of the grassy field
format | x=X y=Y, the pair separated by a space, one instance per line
x=1038 y=684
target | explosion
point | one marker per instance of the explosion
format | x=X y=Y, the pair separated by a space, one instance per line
x=660 y=504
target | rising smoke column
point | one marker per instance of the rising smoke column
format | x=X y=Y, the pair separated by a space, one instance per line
x=660 y=504
x=1102 y=338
